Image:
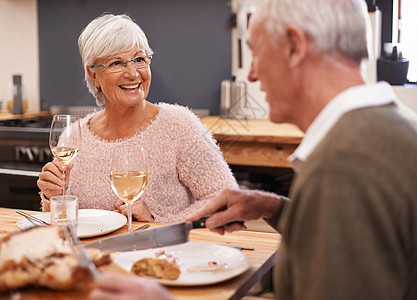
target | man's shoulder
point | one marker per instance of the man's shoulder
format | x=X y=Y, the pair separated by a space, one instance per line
x=370 y=136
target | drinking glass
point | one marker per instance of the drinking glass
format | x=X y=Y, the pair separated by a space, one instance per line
x=64 y=210
x=128 y=175
x=65 y=138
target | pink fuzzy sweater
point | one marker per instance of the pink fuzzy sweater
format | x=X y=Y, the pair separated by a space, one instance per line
x=185 y=166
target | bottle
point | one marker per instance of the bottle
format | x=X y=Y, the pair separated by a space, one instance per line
x=225 y=93
x=17 y=95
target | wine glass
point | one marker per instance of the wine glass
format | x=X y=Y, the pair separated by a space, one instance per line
x=65 y=138
x=128 y=175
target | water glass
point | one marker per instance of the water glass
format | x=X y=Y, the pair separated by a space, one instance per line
x=64 y=210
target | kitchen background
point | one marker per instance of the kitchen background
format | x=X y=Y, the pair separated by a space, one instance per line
x=196 y=45
x=192 y=41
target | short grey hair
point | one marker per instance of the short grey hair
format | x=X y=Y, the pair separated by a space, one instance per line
x=340 y=26
x=105 y=36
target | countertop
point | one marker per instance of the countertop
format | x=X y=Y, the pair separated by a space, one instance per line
x=255 y=142
x=30 y=115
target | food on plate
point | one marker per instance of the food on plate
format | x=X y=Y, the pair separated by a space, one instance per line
x=42 y=257
x=161 y=266
x=211 y=266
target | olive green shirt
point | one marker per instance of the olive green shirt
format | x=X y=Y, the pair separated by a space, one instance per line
x=350 y=229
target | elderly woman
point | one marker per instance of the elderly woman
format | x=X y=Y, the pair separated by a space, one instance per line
x=185 y=166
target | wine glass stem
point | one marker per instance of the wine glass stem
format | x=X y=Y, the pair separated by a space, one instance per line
x=129 y=216
x=65 y=183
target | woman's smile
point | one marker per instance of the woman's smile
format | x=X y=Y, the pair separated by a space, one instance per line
x=130 y=87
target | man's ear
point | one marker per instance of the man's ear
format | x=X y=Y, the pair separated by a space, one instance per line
x=93 y=76
x=297 y=43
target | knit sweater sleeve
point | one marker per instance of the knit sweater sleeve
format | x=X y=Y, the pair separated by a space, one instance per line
x=347 y=229
x=341 y=229
x=274 y=220
x=200 y=163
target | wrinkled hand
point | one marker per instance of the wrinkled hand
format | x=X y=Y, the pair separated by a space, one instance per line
x=123 y=287
x=139 y=210
x=53 y=177
x=233 y=205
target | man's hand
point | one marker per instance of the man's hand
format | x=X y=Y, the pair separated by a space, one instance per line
x=234 y=205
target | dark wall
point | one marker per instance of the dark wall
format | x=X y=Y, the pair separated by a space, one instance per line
x=191 y=38
x=386 y=7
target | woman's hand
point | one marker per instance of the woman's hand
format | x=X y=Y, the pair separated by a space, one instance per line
x=139 y=211
x=123 y=287
x=52 y=178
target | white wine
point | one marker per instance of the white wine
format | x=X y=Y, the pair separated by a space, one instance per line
x=129 y=186
x=65 y=154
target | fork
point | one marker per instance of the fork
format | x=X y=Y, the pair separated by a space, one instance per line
x=32 y=219
x=79 y=252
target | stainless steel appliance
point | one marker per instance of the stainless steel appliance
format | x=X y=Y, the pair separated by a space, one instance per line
x=24 y=149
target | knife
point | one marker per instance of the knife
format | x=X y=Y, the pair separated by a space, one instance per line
x=162 y=236
x=79 y=252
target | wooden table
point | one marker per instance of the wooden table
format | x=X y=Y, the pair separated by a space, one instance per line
x=262 y=259
x=254 y=142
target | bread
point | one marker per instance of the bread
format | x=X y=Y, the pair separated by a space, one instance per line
x=40 y=256
x=161 y=266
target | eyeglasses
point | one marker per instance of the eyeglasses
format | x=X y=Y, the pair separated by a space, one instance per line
x=118 y=65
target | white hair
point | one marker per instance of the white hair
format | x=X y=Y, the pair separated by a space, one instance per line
x=340 y=26
x=105 y=36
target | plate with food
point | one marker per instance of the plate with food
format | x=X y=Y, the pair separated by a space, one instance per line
x=42 y=257
x=91 y=222
x=188 y=264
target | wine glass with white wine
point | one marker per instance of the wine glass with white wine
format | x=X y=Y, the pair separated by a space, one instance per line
x=65 y=138
x=128 y=175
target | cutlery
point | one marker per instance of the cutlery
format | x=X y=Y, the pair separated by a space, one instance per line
x=32 y=218
x=79 y=252
x=242 y=247
x=162 y=236
x=145 y=226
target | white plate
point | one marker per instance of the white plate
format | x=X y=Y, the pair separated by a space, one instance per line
x=194 y=254
x=91 y=222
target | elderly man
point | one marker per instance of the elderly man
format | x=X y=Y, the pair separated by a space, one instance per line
x=349 y=230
